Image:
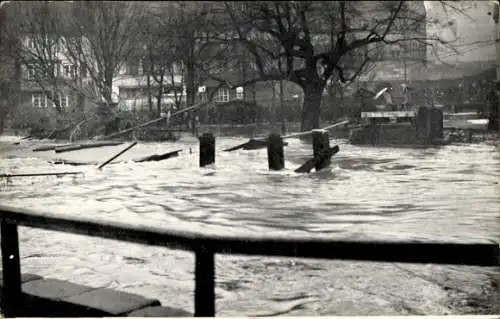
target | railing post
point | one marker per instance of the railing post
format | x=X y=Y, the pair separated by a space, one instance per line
x=204 y=292
x=11 y=294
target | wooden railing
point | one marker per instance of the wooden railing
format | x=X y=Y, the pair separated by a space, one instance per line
x=205 y=247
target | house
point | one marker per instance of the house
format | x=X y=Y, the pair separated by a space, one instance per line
x=56 y=82
x=135 y=86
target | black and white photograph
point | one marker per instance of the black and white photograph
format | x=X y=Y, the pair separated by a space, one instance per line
x=249 y=158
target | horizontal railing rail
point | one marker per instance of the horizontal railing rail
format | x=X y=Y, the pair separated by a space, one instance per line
x=205 y=247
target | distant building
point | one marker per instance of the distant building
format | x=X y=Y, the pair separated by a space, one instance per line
x=134 y=83
x=59 y=81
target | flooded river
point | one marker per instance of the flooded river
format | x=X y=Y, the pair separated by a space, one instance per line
x=445 y=194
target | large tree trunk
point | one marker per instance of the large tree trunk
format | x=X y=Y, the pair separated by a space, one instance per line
x=312 y=107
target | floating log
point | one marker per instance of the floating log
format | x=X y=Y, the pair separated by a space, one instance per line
x=69 y=162
x=207 y=149
x=40 y=174
x=50 y=147
x=275 y=153
x=321 y=157
x=158 y=157
x=27 y=137
x=115 y=156
x=252 y=144
x=76 y=147
x=234 y=148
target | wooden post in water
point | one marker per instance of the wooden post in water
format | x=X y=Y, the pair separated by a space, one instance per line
x=321 y=141
x=204 y=291
x=207 y=149
x=423 y=123
x=11 y=266
x=275 y=152
x=436 y=123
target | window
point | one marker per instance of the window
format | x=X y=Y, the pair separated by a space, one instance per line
x=39 y=100
x=240 y=94
x=132 y=67
x=222 y=95
x=140 y=68
x=240 y=6
x=31 y=73
x=69 y=71
x=63 y=101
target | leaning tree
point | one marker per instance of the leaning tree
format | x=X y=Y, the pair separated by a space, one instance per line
x=312 y=43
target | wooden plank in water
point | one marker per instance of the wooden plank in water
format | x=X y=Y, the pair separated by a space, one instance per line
x=324 y=154
x=158 y=157
x=40 y=174
x=258 y=143
x=84 y=146
x=117 y=155
x=70 y=162
x=50 y=147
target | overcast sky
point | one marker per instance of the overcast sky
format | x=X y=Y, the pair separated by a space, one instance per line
x=473 y=33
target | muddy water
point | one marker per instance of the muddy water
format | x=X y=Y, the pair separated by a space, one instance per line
x=448 y=194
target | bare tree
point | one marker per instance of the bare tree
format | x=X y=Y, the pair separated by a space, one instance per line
x=162 y=59
x=39 y=46
x=76 y=46
x=202 y=53
x=106 y=34
x=318 y=41
x=9 y=68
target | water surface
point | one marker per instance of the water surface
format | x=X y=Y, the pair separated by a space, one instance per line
x=435 y=194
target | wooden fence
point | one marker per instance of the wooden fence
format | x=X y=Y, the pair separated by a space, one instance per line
x=205 y=247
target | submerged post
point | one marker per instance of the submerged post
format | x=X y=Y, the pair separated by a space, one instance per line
x=321 y=141
x=423 y=123
x=436 y=123
x=11 y=266
x=275 y=152
x=204 y=291
x=207 y=149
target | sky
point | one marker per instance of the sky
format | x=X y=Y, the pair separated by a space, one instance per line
x=472 y=33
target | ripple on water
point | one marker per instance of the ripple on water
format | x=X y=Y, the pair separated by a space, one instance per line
x=444 y=195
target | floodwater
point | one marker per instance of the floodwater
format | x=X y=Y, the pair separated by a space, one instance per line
x=444 y=194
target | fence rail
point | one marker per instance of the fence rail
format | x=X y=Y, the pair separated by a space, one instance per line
x=205 y=247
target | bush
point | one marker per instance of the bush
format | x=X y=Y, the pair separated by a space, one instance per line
x=38 y=121
x=233 y=112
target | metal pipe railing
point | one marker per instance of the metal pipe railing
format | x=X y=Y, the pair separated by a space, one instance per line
x=205 y=247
